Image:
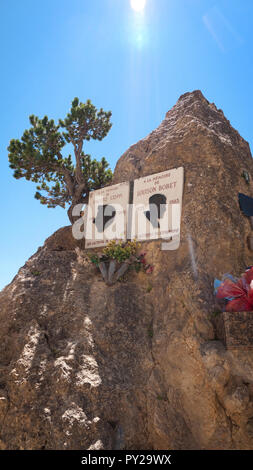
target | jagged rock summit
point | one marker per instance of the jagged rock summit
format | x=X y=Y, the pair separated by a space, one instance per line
x=185 y=126
x=137 y=365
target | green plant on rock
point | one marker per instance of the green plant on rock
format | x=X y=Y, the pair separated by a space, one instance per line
x=149 y=287
x=120 y=251
x=120 y=256
x=161 y=398
x=35 y=273
x=94 y=259
x=150 y=332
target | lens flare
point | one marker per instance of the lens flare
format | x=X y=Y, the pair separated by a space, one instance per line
x=138 y=5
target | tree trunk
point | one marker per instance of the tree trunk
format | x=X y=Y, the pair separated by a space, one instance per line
x=73 y=218
x=70 y=216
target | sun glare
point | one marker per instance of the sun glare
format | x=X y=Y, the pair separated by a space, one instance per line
x=138 y=5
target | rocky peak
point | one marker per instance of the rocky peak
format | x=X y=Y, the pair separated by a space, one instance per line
x=193 y=109
x=137 y=365
x=191 y=117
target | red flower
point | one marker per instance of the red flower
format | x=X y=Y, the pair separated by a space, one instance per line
x=240 y=293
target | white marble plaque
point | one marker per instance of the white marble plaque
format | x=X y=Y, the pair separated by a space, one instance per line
x=107 y=215
x=157 y=204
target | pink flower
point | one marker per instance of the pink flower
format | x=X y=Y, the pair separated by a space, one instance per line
x=149 y=269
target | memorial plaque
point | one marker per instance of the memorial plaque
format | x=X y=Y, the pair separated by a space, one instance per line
x=157 y=204
x=107 y=215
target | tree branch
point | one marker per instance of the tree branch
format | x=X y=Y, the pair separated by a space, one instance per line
x=67 y=176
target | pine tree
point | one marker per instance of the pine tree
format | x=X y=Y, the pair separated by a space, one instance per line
x=38 y=156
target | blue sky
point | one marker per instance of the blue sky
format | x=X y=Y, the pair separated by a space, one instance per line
x=135 y=64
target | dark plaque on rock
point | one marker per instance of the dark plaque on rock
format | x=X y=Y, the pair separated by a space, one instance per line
x=235 y=329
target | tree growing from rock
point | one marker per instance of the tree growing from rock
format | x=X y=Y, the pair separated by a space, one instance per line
x=38 y=156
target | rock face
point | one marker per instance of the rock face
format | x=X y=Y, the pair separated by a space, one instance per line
x=137 y=365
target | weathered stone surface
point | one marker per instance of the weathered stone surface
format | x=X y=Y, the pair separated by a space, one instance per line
x=84 y=365
x=235 y=329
